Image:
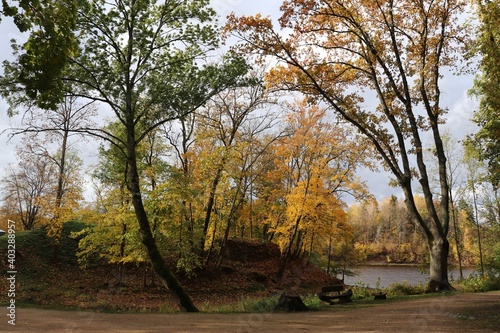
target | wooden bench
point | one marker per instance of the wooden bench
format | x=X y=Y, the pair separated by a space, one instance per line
x=343 y=297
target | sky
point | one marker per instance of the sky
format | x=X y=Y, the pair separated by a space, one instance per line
x=454 y=93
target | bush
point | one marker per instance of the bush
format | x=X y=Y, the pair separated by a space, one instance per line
x=312 y=301
x=361 y=291
x=475 y=283
x=259 y=305
x=492 y=260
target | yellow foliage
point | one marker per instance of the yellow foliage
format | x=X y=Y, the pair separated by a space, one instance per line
x=113 y=234
x=309 y=167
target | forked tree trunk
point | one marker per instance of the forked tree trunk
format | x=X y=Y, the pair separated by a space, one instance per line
x=437 y=243
x=288 y=251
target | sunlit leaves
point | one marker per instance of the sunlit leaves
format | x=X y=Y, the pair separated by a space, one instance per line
x=338 y=50
x=113 y=235
x=314 y=163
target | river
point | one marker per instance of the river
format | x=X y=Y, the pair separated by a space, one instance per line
x=390 y=274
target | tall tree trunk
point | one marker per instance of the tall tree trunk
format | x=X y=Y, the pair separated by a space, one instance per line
x=166 y=277
x=209 y=209
x=329 y=255
x=288 y=251
x=236 y=203
x=56 y=239
x=478 y=229
x=456 y=235
x=122 y=254
x=439 y=249
x=437 y=242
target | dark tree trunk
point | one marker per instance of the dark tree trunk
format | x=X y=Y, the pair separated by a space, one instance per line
x=437 y=243
x=165 y=276
x=288 y=251
x=289 y=303
x=209 y=209
x=458 y=245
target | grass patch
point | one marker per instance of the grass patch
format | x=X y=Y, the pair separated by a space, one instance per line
x=245 y=305
x=259 y=305
x=405 y=289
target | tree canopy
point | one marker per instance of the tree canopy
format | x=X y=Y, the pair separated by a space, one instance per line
x=487 y=86
x=338 y=50
x=262 y=141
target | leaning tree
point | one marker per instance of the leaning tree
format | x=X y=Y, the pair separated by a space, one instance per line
x=379 y=65
x=146 y=62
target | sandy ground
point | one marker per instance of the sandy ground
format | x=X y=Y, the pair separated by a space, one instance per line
x=456 y=313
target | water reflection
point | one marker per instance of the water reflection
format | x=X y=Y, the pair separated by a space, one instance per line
x=390 y=274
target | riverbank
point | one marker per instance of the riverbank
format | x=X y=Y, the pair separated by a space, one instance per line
x=473 y=313
x=385 y=275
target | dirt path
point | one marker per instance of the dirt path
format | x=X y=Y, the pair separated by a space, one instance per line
x=456 y=313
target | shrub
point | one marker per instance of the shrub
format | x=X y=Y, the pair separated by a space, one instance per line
x=265 y=305
x=312 y=301
x=361 y=291
x=259 y=305
x=475 y=283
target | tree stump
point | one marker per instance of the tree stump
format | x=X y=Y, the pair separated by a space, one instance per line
x=289 y=303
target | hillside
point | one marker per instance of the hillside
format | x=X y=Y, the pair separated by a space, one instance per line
x=247 y=271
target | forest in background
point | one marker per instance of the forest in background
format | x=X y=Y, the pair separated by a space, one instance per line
x=202 y=148
x=257 y=163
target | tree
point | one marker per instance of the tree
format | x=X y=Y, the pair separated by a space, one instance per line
x=487 y=86
x=53 y=128
x=143 y=60
x=25 y=186
x=47 y=52
x=178 y=198
x=454 y=162
x=314 y=162
x=227 y=125
x=337 y=50
x=486 y=142
x=475 y=178
x=112 y=234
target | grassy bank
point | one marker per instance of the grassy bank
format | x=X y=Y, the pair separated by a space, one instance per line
x=236 y=287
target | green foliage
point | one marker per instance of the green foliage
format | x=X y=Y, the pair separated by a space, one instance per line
x=26 y=238
x=259 y=305
x=475 y=283
x=41 y=62
x=492 y=259
x=268 y=304
x=68 y=246
x=487 y=87
x=173 y=205
x=38 y=249
x=114 y=237
x=361 y=290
